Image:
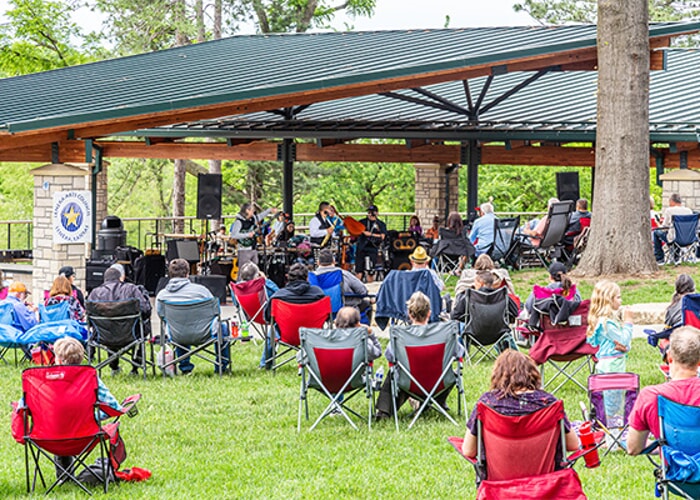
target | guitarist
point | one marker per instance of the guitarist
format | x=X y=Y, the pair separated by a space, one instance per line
x=245 y=229
x=320 y=226
x=369 y=241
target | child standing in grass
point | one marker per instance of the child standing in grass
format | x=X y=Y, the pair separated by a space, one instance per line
x=610 y=330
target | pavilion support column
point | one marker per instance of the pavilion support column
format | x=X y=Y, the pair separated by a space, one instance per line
x=684 y=182
x=286 y=153
x=471 y=156
x=436 y=191
x=48 y=257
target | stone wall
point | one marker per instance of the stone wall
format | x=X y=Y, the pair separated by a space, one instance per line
x=686 y=183
x=50 y=257
x=430 y=192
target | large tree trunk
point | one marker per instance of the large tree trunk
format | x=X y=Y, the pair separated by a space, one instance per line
x=179 y=194
x=215 y=165
x=620 y=230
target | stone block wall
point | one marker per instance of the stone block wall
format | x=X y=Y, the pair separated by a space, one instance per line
x=686 y=183
x=430 y=192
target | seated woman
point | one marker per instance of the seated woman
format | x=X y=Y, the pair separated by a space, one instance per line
x=684 y=286
x=61 y=291
x=515 y=391
x=559 y=281
x=484 y=263
x=419 y=314
x=414 y=226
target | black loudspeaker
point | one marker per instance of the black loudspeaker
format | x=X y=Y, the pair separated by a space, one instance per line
x=217 y=285
x=183 y=249
x=95 y=273
x=209 y=196
x=400 y=261
x=148 y=270
x=567 y=186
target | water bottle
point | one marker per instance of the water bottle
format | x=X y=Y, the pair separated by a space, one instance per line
x=234 y=330
x=585 y=435
x=378 y=378
x=244 y=328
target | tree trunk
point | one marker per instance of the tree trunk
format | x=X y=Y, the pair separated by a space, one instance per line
x=218 y=7
x=620 y=240
x=179 y=194
x=215 y=165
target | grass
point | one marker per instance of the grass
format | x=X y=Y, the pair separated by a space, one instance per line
x=236 y=437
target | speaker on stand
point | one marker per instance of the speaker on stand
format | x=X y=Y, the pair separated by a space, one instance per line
x=209 y=196
x=567 y=186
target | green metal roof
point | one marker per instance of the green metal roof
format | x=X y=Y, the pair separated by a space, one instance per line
x=245 y=67
x=557 y=106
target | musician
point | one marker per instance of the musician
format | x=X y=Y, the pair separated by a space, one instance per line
x=245 y=229
x=320 y=226
x=369 y=242
x=335 y=221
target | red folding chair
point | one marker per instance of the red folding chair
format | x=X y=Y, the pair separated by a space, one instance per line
x=287 y=318
x=250 y=298
x=59 y=417
x=564 y=348
x=517 y=455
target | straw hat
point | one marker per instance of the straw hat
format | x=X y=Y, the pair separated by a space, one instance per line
x=419 y=255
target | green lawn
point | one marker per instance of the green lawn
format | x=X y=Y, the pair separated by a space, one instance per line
x=236 y=437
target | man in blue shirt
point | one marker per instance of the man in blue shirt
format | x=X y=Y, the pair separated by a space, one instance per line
x=482 y=232
x=25 y=315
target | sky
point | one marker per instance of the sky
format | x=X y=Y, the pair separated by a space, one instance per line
x=402 y=14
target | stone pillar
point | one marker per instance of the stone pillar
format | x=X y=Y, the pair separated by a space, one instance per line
x=50 y=257
x=430 y=192
x=684 y=182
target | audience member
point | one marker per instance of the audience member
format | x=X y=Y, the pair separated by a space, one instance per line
x=484 y=263
x=655 y=221
x=484 y=281
x=455 y=223
x=354 y=290
x=349 y=317
x=433 y=232
x=61 y=291
x=516 y=390
x=537 y=233
x=115 y=288
x=69 y=273
x=666 y=233
x=414 y=225
x=684 y=286
x=610 y=330
x=181 y=289
x=4 y=286
x=251 y=271
x=419 y=260
x=419 y=314
x=558 y=281
x=483 y=229
x=684 y=387
x=25 y=313
x=581 y=212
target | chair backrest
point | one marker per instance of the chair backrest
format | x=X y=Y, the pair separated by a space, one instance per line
x=116 y=322
x=397 y=288
x=503 y=235
x=7 y=314
x=290 y=317
x=566 y=339
x=690 y=309
x=334 y=356
x=679 y=425
x=557 y=222
x=585 y=222
x=424 y=351
x=252 y=297
x=686 y=228
x=332 y=285
x=486 y=314
x=61 y=400
x=55 y=312
x=191 y=322
x=601 y=382
x=520 y=446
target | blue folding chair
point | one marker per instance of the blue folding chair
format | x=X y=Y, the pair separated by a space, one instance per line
x=332 y=285
x=678 y=470
x=397 y=288
x=55 y=312
x=8 y=332
x=685 y=245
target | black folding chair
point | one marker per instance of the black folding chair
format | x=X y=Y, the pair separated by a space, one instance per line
x=486 y=329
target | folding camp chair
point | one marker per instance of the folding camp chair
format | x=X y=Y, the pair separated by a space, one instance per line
x=679 y=445
x=335 y=363
x=486 y=326
x=332 y=285
x=690 y=316
x=397 y=288
x=448 y=251
x=504 y=244
x=517 y=456
x=564 y=348
x=117 y=328
x=250 y=298
x=287 y=319
x=598 y=386
x=59 y=416
x=426 y=365
x=685 y=245
x=8 y=332
x=194 y=327
x=552 y=239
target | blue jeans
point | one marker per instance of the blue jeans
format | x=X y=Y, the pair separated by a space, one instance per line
x=186 y=366
x=660 y=237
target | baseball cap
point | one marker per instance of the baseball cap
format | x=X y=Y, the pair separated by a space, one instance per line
x=18 y=287
x=67 y=271
x=372 y=208
x=557 y=268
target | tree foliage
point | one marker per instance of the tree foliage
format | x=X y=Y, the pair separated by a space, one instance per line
x=586 y=11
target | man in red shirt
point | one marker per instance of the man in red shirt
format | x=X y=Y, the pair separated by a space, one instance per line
x=684 y=387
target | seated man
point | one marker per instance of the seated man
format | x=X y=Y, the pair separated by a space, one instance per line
x=349 y=317
x=25 y=313
x=251 y=271
x=581 y=212
x=419 y=313
x=684 y=387
x=420 y=260
x=666 y=234
x=482 y=233
x=352 y=286
x=181 y=289
x=114 y=288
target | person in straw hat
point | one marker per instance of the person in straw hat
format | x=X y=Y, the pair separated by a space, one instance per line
x=420 y=260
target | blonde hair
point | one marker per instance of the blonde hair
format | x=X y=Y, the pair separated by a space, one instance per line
x=68 y=351
x=602 y=298
x=418 y=307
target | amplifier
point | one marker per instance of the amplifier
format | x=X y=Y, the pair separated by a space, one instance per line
x=95 y=273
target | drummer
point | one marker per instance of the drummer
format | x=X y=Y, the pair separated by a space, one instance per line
x=245 y=229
